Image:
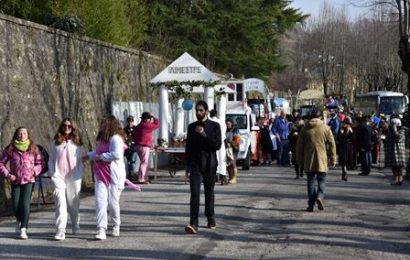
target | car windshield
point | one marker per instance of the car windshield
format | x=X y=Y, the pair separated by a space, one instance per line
x=390 y=105
x=239 y=120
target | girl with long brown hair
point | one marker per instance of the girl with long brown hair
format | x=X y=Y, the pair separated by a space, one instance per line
x=66 y=170
x=110 y=172
x=25 y=164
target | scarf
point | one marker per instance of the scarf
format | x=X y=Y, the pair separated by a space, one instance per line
x=22 y=146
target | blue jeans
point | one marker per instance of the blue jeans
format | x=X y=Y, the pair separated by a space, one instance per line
x=283 y=152
x=21 y=197
x=313 y=193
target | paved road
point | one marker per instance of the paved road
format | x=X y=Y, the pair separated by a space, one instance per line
x=262 y=217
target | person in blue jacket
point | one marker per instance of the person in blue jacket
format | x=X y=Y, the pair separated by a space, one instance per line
x=281 y=130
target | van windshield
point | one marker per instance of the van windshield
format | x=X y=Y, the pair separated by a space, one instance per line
x=239 y=120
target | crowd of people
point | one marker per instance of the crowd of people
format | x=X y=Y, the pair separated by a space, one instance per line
x=311 y=145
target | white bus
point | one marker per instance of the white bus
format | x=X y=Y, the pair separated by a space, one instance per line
x=383 y=102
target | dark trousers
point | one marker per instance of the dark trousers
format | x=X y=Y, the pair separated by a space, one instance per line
x=283 y=152
x=131 y=157
x=298 y=170
x=21 y=198
x=366 y=161
x=208 y=178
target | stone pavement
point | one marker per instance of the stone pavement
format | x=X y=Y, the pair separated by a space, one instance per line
x=262 y=217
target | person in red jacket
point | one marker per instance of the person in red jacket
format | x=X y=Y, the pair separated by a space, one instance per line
x=142 y=135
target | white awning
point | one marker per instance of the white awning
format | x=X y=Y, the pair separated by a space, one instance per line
x=183 y=69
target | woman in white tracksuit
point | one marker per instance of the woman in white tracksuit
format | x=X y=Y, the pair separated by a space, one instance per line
x=66 y=171
x=110 y=172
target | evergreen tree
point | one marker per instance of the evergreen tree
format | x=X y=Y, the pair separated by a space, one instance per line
x=236 y=36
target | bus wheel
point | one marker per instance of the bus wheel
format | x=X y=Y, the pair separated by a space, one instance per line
x=247 y=161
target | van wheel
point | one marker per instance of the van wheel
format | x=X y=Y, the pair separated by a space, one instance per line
x=247 y=161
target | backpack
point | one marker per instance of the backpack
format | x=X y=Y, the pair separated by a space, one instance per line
x=45 y=157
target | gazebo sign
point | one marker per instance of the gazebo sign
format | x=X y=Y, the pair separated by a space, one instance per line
x=181 y=70
x=184 y=69
x=253 y=84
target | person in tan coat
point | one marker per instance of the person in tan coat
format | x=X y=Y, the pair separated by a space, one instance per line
x=315 y=148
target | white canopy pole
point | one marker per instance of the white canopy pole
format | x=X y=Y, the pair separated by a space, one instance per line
x=221 y=116
x=163 y=113
x=179 y=118
x=209 y=97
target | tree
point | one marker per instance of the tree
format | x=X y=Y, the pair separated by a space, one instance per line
x=349 y=56
x=230 y=36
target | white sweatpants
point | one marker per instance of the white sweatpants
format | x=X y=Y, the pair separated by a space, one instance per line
x=107 y=198
x=67 y=199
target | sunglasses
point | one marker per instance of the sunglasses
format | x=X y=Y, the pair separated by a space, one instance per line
x=67 y=126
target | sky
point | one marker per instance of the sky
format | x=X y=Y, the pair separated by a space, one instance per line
x=313 y=6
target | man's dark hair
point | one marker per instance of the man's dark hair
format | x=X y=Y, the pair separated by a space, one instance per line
x=130 y=119
x=213 y=113
x=203 y=104
x=316 y=113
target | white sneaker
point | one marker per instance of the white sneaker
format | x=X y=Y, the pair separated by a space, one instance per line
x=101 y=234
x=75 y=229
x=116 y=231
x=60 y=235
x=23 y=233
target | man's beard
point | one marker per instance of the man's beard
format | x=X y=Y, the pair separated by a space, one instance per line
x=200 y=117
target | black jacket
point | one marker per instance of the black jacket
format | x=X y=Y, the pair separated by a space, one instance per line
x=201 y=149
x=363 y=138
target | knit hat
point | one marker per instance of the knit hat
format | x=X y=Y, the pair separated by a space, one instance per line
x=396 y=122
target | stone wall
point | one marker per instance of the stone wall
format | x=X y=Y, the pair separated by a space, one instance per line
x=47 y=74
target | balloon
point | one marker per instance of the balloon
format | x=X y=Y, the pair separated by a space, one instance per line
x=187 y=104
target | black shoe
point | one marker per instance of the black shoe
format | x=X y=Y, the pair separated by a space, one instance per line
x=320 y=205
x=309 y=209
x=191 y=229
x=301 y=175
x=211 y=225
x=398 y=183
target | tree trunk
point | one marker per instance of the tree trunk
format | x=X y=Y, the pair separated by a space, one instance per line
x=404 y=54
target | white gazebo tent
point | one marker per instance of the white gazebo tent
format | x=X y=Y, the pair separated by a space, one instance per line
x=185 y=69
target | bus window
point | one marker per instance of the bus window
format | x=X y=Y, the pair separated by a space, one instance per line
x=390 y=105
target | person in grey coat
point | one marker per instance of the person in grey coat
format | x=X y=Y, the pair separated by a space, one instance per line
x=395 y=149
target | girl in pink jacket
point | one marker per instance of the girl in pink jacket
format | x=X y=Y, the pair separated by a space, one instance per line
x=25 y=163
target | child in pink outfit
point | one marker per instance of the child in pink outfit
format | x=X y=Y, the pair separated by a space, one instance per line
x=25 y=163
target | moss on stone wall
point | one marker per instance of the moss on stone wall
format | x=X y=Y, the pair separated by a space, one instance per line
x=49 y=74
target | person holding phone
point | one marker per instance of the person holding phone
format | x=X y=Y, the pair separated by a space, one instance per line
x=142 y=135
x=203 y=140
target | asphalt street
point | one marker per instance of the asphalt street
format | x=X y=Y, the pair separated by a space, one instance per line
x=261 y=217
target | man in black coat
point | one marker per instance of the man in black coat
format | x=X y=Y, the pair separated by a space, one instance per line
x=364 y=145
x=203 y=140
